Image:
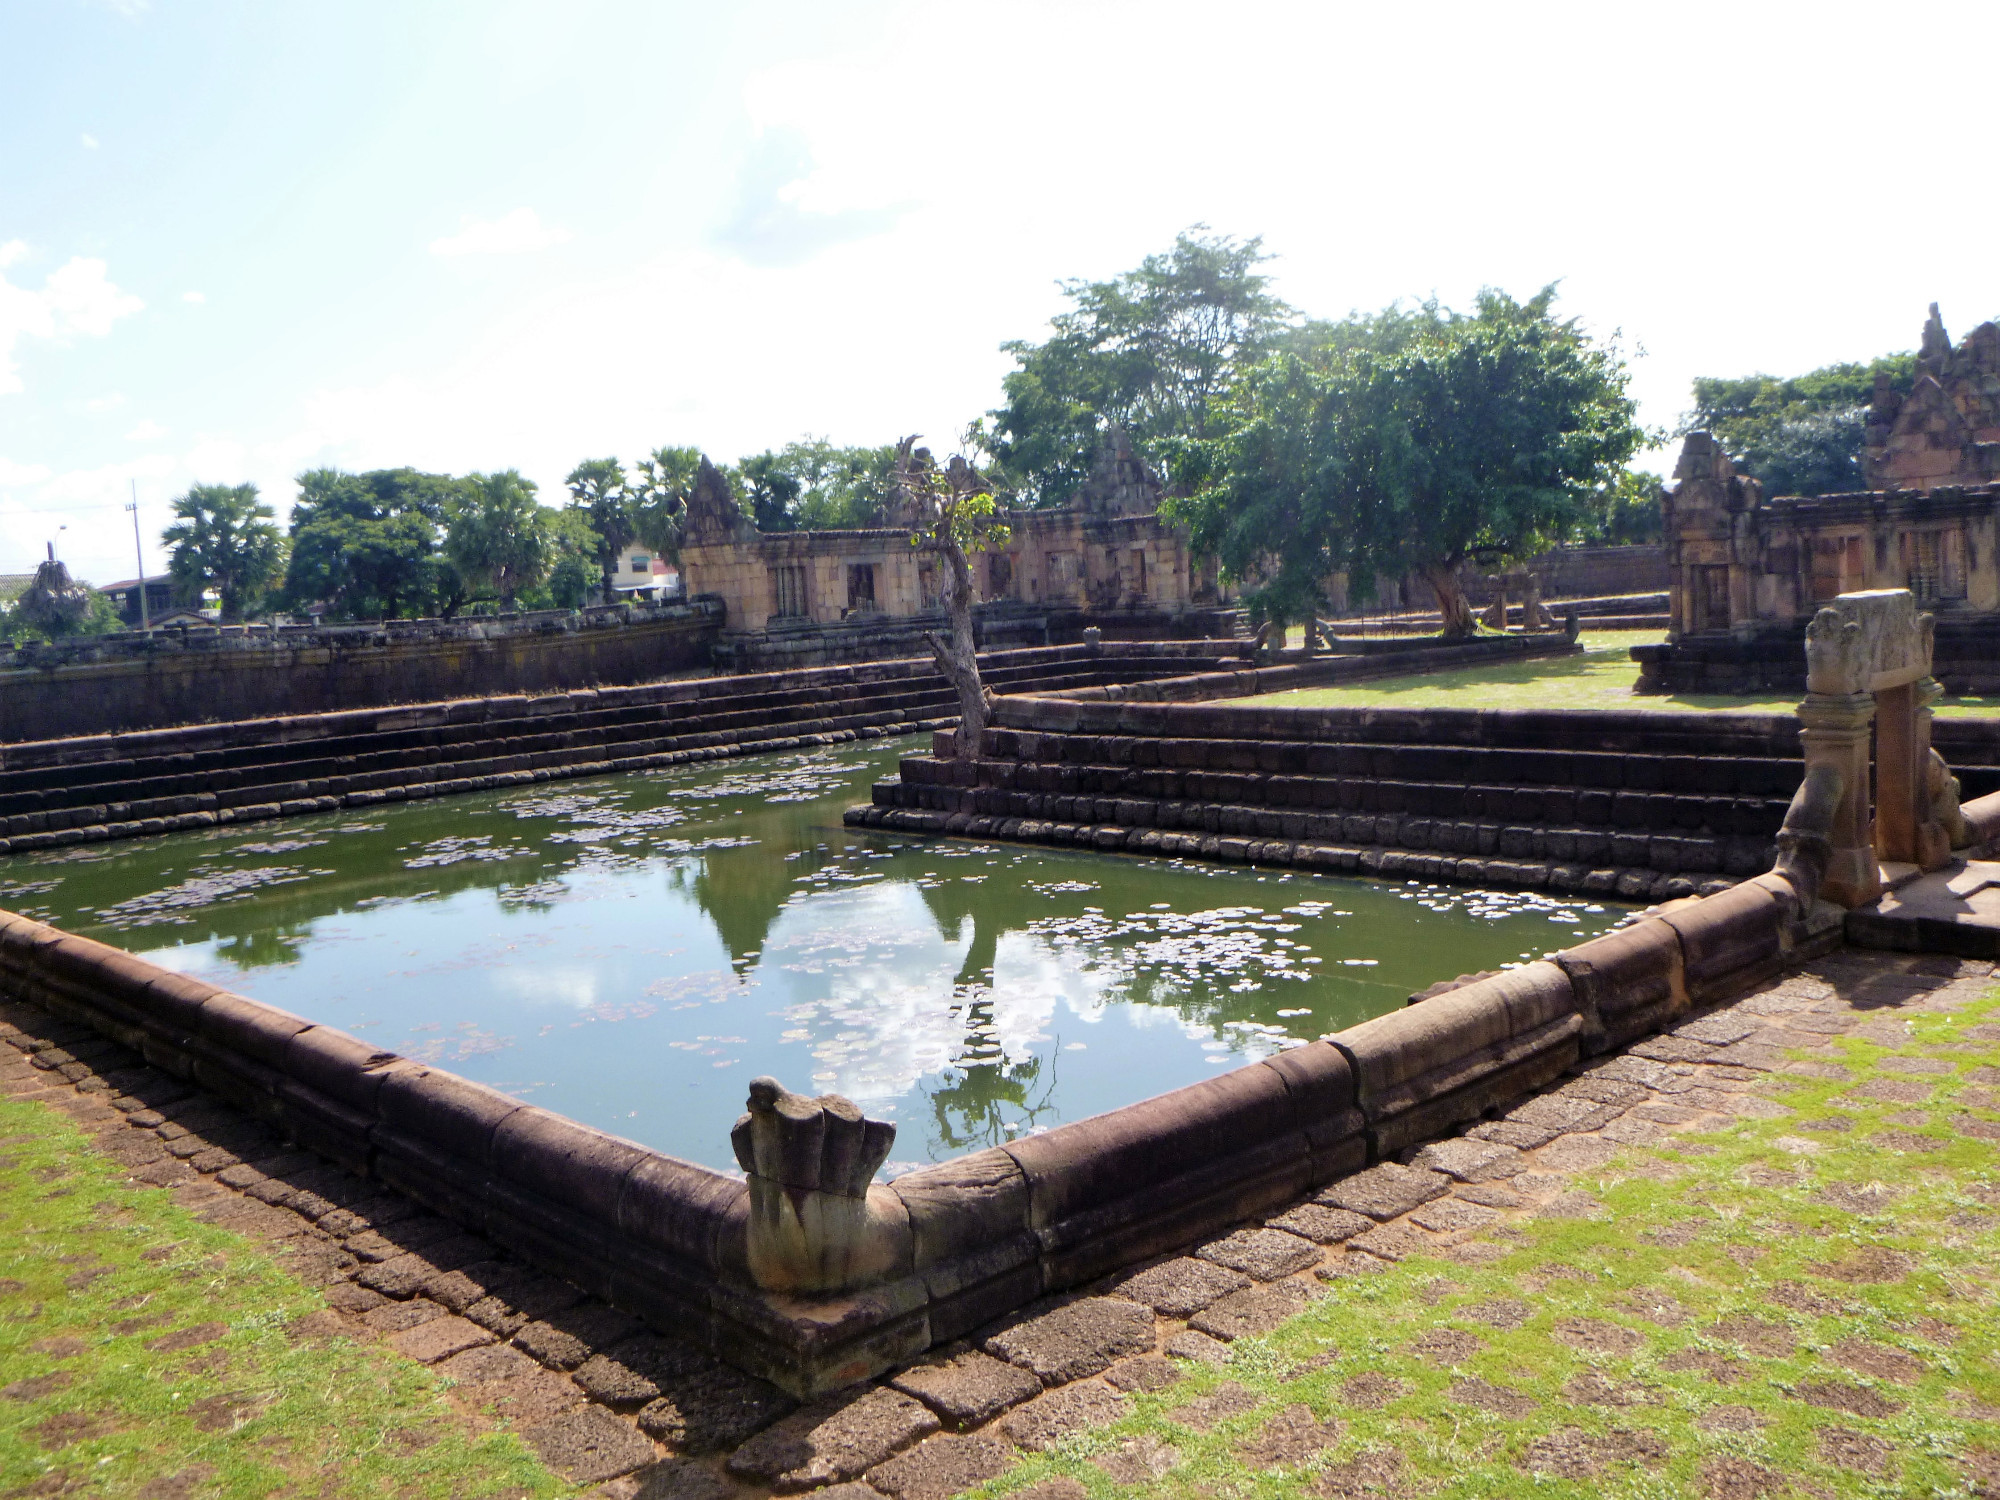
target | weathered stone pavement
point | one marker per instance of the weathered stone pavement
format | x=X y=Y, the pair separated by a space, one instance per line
x=1749 y=1257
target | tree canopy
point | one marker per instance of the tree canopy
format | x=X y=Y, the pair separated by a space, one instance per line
x=1405 y=442
x=224 y=538
x=1797 y=435
x=498 y=534
x=813 y=484
x=1152 y=350
x=366 y=546
x=601 y=497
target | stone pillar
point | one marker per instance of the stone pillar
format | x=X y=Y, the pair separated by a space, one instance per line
x=1834 y=733
x=1907 y=828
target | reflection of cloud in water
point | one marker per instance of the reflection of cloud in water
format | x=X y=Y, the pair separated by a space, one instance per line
x=571 y=987
x=881 y=999
x=891 y=1012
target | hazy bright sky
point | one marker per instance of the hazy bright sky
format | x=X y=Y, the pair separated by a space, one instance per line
x=241 y=239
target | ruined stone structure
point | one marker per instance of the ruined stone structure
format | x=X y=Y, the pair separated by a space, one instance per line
x=805 y=596
x=1747 y=571
x=1868 y=681
x=1947 y=430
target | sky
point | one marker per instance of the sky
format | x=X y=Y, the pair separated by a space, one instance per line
x=241 y=239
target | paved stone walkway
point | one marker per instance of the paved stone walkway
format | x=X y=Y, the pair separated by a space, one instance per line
x=1751 y=1257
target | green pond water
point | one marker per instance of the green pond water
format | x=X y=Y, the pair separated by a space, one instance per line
x=631 y=950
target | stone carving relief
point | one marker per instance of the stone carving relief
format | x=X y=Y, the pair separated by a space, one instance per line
x=817 y=1221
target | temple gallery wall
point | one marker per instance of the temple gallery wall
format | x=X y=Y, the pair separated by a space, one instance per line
x=1745 y=571
x=811 y=1273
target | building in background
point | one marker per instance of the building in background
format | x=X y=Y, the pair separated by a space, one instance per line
x=1745 y=572
x=1105 y=559
x=124 y=597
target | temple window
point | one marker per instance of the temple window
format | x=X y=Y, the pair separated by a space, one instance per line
x=788 y=591
x=861 y=587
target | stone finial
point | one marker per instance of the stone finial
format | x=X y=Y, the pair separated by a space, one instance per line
x=712 y=512
x=1934 y=353
x=817 y=1223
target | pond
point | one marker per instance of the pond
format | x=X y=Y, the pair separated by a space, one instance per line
x=631 y=950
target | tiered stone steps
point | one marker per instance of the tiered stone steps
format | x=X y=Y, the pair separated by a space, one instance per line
x=1639 y=805
x=59 y=792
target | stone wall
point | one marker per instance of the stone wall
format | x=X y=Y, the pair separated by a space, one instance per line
x=1358 y=660
x=1586 y=572
x=1765 y=659
x=130 y=681
x=1106 y=551
x=1002 y=626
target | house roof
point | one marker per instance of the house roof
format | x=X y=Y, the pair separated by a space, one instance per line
x=129 y=583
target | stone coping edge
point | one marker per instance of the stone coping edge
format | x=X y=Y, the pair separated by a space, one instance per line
x=971 y=1239
x=1323 y=671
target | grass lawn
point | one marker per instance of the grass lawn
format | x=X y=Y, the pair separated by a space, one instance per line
x=1801 y=1303
x=144 y=1353
x=1600 y=678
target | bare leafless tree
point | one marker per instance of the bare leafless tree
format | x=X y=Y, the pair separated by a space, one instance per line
x=952 y=514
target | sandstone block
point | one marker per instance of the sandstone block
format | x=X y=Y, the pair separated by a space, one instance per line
x=1385 y=1191
x=967 y=1388
x=1182 y=1286
x=1059 y=1414
x=1076 y=1340
x=1265 y=1254
x=589 y=1445
x=1251 y=1313
x=836 y=1438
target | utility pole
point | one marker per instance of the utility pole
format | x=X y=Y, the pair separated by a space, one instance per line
x=139 y=551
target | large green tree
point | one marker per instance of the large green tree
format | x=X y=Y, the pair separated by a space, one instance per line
x=1800 y=434
x=498 y=534
x=601 y=495
x=767 y=482
x=813 y=484
x=366 y=546
x=1152 y=350
x=224 y=538
x=1406 y=442
x=1622 y=513
x=575 y=549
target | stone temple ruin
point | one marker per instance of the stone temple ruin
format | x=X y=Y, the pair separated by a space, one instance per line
x=1745 y=570
x=801 y=598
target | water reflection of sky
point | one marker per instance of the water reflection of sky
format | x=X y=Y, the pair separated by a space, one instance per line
x=631 y=950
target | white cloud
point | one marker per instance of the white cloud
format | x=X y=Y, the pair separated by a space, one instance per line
x=515 y=233
x=195 y=297
x=89 y=141
x=146 y=432
x=13 y=473
x=76 y=298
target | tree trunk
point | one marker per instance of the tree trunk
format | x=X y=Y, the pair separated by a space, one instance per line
x=956 y=657
x=1452 y=603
